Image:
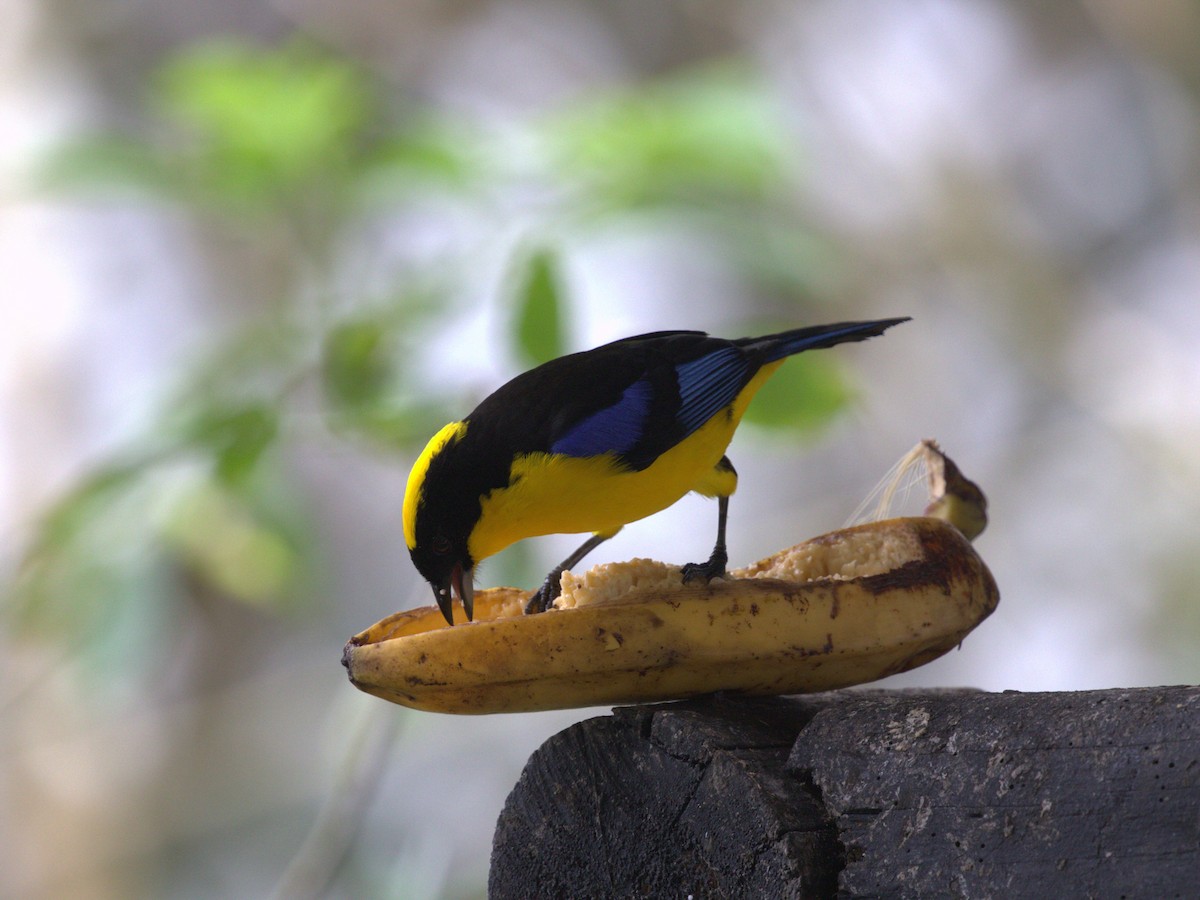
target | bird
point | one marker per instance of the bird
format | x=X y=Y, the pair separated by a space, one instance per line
x=589 y=442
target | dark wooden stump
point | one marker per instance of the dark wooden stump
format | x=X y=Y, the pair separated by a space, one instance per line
x=865 y=794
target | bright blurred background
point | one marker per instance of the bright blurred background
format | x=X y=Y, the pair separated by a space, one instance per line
x=253 y=254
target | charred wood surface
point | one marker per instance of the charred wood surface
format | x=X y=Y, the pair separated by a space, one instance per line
x=864 y=794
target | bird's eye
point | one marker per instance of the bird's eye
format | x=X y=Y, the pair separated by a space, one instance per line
x=440 y=545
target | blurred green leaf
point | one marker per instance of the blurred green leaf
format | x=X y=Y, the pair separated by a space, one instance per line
x=103 y=486
x=260 y=121
x=259 y=360
x=236 y=436
x=704 y=135
x=230 y=404
x=517 y=564
x=217 y=534
x=538 y=327
x=804 y=394
x=367 y=387
x=394 y=426
x=426 y=151
x=109 y=162
x=356 y=362
x=90 y=563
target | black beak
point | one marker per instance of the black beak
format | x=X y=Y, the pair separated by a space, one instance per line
x=444 y=602
x=460 y=578
x=459 y=585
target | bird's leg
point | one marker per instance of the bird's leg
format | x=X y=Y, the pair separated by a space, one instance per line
x=552 y=586
x=715 y=567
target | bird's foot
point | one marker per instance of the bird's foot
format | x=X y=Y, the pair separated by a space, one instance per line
x=714 y=568
x=544 y=597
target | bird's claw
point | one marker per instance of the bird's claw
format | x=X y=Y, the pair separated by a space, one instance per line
x=713 y=568
x=543 y=598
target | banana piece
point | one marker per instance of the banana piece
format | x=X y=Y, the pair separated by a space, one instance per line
x=842 y=609
x=952 y=496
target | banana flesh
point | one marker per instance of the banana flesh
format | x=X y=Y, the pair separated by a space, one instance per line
x=846 y=608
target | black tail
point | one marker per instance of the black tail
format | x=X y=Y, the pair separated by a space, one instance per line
x=777 y=346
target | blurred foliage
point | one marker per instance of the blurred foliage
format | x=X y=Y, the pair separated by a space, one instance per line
x=74 y=577
x=254 y=122
x=539 y=328
x=295 y=141
x=240 y=548
x=706 y=136
x=236 y=438
x=249 y=130
x=801 y=396
x=356 y=362
x=708 y=147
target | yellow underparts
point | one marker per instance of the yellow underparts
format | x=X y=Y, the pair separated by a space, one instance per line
x=550 y=494
x=416 y=478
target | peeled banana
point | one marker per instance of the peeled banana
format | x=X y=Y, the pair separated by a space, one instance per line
x=845 y=608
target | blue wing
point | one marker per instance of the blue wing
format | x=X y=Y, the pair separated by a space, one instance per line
x=709 y=384
x=705 y=385
x=615 y=429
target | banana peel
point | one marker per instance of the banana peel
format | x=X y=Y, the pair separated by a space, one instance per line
x=845 y=608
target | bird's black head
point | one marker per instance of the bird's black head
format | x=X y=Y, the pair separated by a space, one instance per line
x=440 y=510
x=444 y=562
